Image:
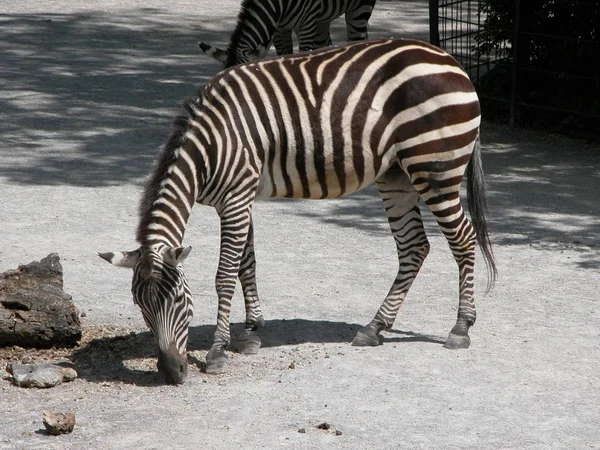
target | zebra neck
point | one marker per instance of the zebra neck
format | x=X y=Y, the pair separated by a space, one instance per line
x=168 y=201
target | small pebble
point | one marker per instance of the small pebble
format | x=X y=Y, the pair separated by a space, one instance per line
x=58 y=423
x=302 y=430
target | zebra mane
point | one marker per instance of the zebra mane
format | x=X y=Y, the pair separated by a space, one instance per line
x=167 y=158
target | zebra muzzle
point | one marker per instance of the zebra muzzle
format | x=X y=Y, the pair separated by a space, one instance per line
x=173 y=365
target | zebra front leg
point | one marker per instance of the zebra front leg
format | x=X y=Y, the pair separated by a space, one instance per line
x=357 y=21
x=235 y=225
x=282 y=39
x=400 y=201
x=249 y=342
x=323 y=36
x=306 y=36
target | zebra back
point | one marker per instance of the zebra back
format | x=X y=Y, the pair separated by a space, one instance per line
x=325 y=124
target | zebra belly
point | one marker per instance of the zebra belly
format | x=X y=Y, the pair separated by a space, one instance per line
x=306 y=182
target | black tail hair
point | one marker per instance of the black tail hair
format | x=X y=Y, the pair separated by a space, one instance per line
x=477 y=203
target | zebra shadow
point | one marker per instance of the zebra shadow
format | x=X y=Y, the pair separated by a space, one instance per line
x=117 y=358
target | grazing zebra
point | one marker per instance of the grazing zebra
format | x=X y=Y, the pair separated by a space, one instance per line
x=400 y=113
x=263 y=22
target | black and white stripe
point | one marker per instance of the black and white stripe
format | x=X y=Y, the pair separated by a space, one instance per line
x=265 y=22
x=400 y=113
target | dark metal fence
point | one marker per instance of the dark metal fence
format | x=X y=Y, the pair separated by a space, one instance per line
x=534 y=62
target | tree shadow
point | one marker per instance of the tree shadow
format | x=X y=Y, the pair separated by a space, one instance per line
x=88 y=97
x=104 y=358
x=543 y=192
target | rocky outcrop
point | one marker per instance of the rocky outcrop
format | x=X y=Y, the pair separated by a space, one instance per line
x=34 y=309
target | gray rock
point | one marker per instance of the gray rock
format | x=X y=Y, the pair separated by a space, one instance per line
x=41 y=375
x=34 y=309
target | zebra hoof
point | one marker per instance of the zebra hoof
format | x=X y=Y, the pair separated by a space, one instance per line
x=216 y=361
x=367 y=337
x=456 y=341
x=248 y=344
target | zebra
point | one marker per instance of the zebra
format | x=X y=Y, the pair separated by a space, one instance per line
x=319 y=125
x=261 y=23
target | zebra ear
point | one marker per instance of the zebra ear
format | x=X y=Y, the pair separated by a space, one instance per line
x=121 y=259
x=176 y=255
x=215 y=52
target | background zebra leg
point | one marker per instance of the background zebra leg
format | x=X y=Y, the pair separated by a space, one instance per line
x=235 y=224
x=306 y=37
x=400 y=200
x=323 y=35
x=357 y=22
x=249 y=342
x=284 y=45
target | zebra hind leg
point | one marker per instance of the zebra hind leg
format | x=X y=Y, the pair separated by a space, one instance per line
x=443 y=199
x=248 y=343
x=400 y=200
x=461 y=238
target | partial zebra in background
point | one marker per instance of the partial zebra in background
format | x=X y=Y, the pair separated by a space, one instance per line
x=265 y=22
x=400 y=113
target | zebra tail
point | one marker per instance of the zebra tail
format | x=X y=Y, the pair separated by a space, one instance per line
x=477 y=204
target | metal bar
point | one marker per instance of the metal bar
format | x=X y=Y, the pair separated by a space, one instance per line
x=434 y=31
x=515 y=65
x=478 y=54
x=555 y=109
x=452 y=19
x=561 y=37
x=557 y=74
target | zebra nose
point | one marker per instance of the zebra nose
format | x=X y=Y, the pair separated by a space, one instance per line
x=173 y=365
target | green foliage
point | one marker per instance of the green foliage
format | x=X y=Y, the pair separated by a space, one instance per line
x=558 y=58
x=558 y=35
x=497 y=28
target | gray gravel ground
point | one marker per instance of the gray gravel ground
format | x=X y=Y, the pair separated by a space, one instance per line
x=87 y=93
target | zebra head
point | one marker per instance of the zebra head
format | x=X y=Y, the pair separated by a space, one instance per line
x=214 y=52
x=161 y=290
x=244 y=55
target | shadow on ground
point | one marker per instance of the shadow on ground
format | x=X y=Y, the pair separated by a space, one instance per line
x=103 y=358
x=87 y=98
